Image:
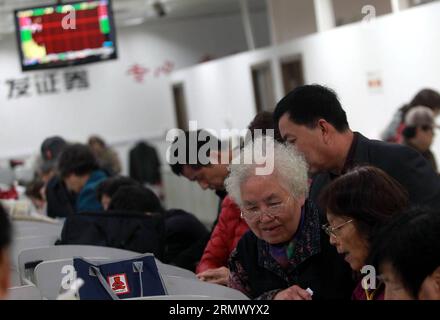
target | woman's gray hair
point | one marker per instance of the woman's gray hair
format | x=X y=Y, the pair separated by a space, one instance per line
x=288 y=165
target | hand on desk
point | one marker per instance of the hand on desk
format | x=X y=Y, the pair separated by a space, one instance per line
x=217 y=276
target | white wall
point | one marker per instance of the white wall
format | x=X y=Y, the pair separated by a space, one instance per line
x=115 y=106
x=400 y=49
x=291 y=19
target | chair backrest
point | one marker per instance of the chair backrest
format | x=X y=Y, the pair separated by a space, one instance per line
x=36 y=255
x=22 y=243
x=125 y=230
x=184 y=286
x=29 y=292
x=32 y=228
x=15 y=278
x=49 y=274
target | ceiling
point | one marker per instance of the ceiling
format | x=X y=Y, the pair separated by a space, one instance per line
x=132 y=12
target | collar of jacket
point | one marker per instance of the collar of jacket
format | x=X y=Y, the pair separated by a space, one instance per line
x=360 y=154
x=307 y=245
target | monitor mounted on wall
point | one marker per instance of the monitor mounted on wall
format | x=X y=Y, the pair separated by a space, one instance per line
x=66 y=34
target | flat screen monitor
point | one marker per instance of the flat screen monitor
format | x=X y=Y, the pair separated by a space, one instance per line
x=67 y=34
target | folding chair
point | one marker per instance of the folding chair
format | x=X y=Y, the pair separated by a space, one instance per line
x=29 y=258
x=22 y=243
x=184 y=286
x=33 y=228
x=28 y=292
x=15 y=278
x=49 y=275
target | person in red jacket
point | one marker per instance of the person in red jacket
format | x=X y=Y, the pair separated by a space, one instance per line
x=224 y=239
x=212 y=175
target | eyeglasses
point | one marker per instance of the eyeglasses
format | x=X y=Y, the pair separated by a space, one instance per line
x=331 y=230
x=427 y=128
x=272 y=210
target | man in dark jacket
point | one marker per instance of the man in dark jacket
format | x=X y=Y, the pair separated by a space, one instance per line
x=311 y=118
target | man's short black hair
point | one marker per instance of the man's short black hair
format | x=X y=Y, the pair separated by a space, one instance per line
x=136 y=199
x=307 y=104
x=5 y=229
x=410 y=243
x=77 y=159
x=177 y=168
x=109 y=186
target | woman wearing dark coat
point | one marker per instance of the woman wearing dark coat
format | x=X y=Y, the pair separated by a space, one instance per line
x=358 y=204
x=285 y=255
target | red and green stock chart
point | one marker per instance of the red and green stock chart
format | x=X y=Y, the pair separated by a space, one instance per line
x=65 y=33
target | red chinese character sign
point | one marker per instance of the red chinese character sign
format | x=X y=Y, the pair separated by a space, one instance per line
x=139 y=72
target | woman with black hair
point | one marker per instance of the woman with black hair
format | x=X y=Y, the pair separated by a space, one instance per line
x=358 y=204
x=407 y=253
x=79 y=170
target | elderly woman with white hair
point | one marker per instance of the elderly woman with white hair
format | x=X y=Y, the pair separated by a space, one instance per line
x=286 y=255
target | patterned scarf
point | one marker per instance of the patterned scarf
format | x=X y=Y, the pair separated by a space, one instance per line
x=282 y=253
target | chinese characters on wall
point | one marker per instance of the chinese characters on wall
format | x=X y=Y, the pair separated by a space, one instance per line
x=47 y=83
x=139 y=72
x=56 y=82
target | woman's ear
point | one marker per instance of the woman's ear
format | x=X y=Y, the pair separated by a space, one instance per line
x=436 y=277
x=301 y=201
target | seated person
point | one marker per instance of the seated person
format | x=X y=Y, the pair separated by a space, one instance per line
x=50 y=150
x=107 y=188
x=182 y=229
x=60 y=201
x=5 y=242
x=79 y=170
x=419 y=132
x=107 y=158
x=210 y=173
x=35 y=192
x=358 y=203
x=407 y=254
x=231 y=226
x=286 y=253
